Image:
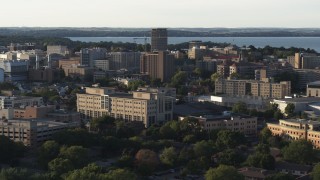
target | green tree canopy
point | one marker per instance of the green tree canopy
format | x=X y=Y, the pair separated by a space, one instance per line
x=169 y=156
x=76 y=154
x=229 y=139
x=316 y=171
x=203 y=148
x=10 y=150
x=289 y=110
x=223 y=172
x=240 y=107
x=60 y=166
x=48 y=151
x=300 y=151
x=281 y=176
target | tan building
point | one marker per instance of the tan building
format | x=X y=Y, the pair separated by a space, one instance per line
x=253 y=87
x=78 y=71
x=158 y=65
x=195 y=53
x=313 y=89
x=32 y=112
x=68 y=62
x=62 y=50
x=32 y=132
x=306 y=61
x=234 y=122
x=147 y=105
x=295 y=129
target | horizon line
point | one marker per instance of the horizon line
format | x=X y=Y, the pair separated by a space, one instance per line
x=160 y=27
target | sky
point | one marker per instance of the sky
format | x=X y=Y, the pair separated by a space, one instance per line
x=160 y=13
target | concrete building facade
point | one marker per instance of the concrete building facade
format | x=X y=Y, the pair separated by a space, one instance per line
x=253 y=87
x=158 y=65
x=149 y=106
x=295 y=129
x=32 y=132
x=159 y=39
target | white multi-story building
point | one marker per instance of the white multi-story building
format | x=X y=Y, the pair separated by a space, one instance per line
x=11 y=102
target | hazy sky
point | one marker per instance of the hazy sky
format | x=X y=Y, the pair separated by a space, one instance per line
x=160 y=13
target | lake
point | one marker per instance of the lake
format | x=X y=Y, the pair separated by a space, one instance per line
x=300 y=42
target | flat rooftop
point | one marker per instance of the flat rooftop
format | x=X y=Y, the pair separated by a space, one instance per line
x=302 y=99
x=302 y=121
x=198 y=109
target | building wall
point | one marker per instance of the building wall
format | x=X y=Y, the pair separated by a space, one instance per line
x=158 y=65
x=102 y=64
x=32 y=112
x=67 y=62
x=10 y=102
x=248 y=126
x=296 y=131
x=32 y=133
x=47 y=75
x=255 y=88
x=159 y=39
x=148 y=107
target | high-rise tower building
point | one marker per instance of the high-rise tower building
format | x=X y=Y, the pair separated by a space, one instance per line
x=158 y=65
x=159 y=39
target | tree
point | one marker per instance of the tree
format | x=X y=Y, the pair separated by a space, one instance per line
x=15 y=174
x=60 y=166
x=300 y=151
x=100 y=124
x=48 y=151
x=125 y=161
x=260 y=160
x=316 y=172
x=223 y=172
x=240 y=107
x=231 y=157
x=92 y=171
x=119 y=174
x=229 y=139
x=179 y=79
x=278 y=115
x=169 y=156
x=146 y=161
x=289 y=110
x=215 y=76
x=203 y=148
x=185 y=155
x=265 y=134
x=10 y=150
x=133 y=85
x=76 y=154
x=167 y=132
x=281 y=176
x=189 y=139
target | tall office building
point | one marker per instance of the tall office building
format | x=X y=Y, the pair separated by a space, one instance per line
x=87 y=56
x=159 y=39
x=125 y=60
x=158 y=65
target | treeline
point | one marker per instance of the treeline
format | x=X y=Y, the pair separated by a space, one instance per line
x=100 y=32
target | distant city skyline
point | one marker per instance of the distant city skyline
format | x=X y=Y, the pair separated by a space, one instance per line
x=164 y=13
